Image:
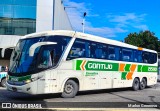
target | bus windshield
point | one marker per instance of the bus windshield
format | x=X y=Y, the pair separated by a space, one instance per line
x=44 y=57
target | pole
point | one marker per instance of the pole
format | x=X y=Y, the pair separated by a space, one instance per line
x=83 y=23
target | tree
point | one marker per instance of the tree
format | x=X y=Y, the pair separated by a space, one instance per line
x=145 y=39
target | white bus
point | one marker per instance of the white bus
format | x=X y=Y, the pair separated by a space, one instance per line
x=67 y=62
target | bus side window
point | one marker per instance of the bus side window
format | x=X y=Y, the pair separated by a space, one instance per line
x=111 y=53
x=127 y=55
x=78 y=50
x=145 y=57
x=101 y=51
x=152 y=58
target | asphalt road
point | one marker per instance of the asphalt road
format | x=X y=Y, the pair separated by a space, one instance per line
x=114 y=98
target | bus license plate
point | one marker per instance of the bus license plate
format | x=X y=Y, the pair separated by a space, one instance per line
x=14 y=89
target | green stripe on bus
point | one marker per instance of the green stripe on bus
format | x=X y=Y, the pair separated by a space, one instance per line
x=149 y=69
x=23 y=78
x=123 y=76
x=127 y=67
x=139 y=68
x=145 y=68
x=78 y=64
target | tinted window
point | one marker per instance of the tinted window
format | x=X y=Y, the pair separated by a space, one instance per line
x=87 y=49
x=100 y=51
x=152 y=58
x=137 y=56
x=145 y=57
x=78 y=50
x=148 y=57
x=113 y=53
x=127 y=55
x=90 y=49
x=50 y=54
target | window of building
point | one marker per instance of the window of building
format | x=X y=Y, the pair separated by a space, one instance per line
x=17 y=17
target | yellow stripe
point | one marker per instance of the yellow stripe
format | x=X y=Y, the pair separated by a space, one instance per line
x=140 y=48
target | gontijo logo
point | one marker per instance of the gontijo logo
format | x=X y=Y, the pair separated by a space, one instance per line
x=97 y=66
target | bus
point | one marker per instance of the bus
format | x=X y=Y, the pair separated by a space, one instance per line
x=68 y=61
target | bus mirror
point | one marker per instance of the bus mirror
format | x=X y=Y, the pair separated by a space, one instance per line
x=38 y=44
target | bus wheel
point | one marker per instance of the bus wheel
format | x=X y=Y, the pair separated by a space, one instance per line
x=3 y=82
x=143 y=84
x=135 y=84
x=70 y=89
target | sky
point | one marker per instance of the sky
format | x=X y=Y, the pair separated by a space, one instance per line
x=114 y=19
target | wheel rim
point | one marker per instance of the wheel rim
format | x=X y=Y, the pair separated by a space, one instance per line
x=143 y=84
x=69 y=88
x=4 y=83
x=136 y=83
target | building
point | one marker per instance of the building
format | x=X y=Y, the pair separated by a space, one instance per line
x=21 y=17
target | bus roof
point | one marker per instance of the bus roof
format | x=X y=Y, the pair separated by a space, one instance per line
x=86 y=37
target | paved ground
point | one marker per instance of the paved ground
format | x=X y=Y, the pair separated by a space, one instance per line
x=89 y=99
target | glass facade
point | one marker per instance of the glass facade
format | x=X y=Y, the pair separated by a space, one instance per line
x=17 y=17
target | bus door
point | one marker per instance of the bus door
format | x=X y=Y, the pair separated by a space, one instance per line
x=46 y=63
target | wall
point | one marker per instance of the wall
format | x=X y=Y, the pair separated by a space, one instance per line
x=61 y=20
x=44 y=19
x=51 y=16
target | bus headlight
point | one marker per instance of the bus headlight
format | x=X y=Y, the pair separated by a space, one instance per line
x=27 y=81
x=30 y=80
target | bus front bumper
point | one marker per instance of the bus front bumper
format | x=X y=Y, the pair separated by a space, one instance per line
x=30 y=88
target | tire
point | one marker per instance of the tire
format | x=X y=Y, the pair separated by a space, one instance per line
x=3 y=82
x=143 y=84
x=70 y=89
x=135 y=84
